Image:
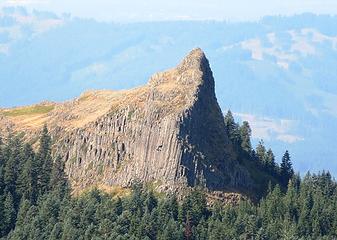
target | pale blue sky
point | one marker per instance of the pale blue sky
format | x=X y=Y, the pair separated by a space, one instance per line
x=154 y=10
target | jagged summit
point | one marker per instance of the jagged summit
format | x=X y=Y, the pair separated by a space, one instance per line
x=195 y=62
x=169 y=132
x=195 y=59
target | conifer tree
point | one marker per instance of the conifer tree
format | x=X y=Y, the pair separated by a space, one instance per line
x=290 y=201
x=9 y=213
x=304 y=221
x=44 y=161
x=270 y=160
x=28 y=152
x=23 y=211
x=286 y=169
x=173 y=206
x=58 y=178
x=261 y=152
x=24 y=183
x=150 y=201
x=10 y=174
x=245 y=133
x=232 y=129
x=118 y=206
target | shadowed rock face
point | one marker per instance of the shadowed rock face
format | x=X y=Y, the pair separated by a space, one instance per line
x=169 y=132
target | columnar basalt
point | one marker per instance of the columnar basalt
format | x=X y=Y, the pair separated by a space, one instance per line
x=170 y=131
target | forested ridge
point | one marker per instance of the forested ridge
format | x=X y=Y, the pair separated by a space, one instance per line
x=35 y=202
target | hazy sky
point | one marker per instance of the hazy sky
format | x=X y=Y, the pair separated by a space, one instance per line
x=148 y=10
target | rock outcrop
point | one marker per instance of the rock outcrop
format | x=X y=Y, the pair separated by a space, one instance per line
x=169 y=132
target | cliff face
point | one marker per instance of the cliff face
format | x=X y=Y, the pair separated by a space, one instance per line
x=169 y=132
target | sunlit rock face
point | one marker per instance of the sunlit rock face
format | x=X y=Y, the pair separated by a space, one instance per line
x=169 y=132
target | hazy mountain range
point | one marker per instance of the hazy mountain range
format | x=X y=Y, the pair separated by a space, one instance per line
x=279 y=73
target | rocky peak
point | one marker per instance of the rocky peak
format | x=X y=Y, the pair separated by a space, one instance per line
x=169 y=132
x=197 y=63
x=194 y=70
x=195 y=59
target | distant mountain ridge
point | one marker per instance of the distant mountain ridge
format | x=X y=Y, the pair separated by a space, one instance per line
x=278 y=73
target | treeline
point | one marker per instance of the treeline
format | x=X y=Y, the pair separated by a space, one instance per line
x=35 y=203
x=240 y=136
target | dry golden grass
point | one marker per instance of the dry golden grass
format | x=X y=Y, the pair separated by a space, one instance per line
x=72 y=114
x=29 y=117
x=92 y=105
x=28 y=111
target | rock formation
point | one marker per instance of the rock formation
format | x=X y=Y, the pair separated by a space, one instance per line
x=169 y=132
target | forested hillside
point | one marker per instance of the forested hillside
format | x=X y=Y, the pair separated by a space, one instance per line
x=35 y=203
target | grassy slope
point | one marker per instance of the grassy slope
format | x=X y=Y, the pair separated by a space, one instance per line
x=31 y=110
